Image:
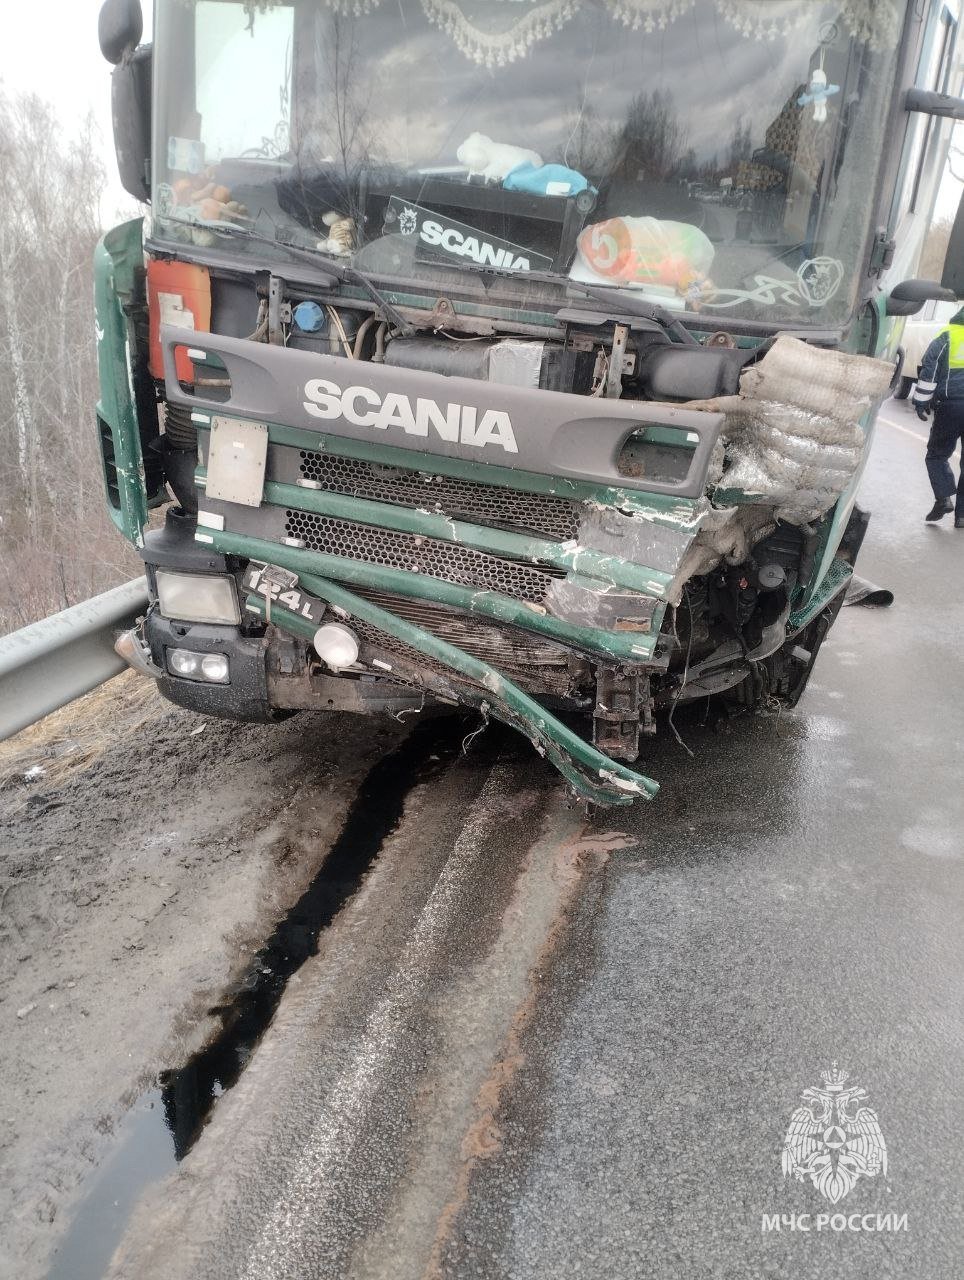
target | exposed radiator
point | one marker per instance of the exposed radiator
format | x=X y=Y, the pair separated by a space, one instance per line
x=538 y=665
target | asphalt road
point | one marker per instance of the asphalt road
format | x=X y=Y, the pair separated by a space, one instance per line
x=798 y=901
x=528 y=1049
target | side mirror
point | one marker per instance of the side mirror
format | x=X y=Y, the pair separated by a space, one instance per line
x=130 y=102
x=953 y=276
x=907 y=298
x=119 y=28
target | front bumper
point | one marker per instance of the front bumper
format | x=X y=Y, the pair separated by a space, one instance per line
x=244 y=697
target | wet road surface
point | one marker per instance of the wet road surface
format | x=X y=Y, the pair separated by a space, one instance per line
x=531 y=1048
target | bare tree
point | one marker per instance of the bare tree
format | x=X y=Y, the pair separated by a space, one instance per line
x=56 y=541
x=653 y=139
x=591 y=142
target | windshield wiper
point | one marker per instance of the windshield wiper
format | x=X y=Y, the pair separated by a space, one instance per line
x=345 y=273
x=629 y=303
x=340 y=271
x=636 y=306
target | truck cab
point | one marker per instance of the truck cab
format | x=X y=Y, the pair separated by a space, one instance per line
x=452 y=382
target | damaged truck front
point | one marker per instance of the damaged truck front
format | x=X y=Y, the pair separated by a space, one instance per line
x=522 y=356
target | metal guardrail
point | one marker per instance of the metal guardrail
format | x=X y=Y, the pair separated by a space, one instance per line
x=52 y=662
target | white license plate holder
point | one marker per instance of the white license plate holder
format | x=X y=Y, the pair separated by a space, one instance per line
x=237 y=457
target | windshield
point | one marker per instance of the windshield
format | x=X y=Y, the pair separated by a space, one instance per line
x=711 y=155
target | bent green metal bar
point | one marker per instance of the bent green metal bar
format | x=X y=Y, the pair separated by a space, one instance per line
x=619 y=646
x=593 y=775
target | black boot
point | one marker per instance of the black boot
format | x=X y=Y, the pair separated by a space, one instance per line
x=942 y=507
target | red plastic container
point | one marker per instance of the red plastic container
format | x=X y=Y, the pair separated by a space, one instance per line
x=177 y=293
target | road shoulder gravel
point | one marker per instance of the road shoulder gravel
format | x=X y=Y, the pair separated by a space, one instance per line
x=133 y=895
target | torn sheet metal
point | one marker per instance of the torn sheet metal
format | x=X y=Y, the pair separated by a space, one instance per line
x=793 y=440
x=584 y=600
x=487 y=604
x=594 y=776
x=793 y=436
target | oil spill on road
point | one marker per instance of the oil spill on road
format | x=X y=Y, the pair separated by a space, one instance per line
x=164 y=1123
x=190 y=1091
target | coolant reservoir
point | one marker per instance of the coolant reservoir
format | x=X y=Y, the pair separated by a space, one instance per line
x=178 y=293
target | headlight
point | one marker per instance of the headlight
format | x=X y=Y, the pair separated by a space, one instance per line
x=184 y=663
x=214 y=667
x=193 y=597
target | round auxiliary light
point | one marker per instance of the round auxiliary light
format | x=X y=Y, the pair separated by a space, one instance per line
x=214 y=666
x=336 y=645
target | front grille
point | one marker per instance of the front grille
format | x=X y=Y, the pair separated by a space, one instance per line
x=444 y=560
x=547 y=517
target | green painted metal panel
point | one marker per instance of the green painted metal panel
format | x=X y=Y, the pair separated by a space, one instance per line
x=833 y=581
x=657 y=507
x=117 y=256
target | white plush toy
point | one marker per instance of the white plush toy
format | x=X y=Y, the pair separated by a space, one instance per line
x=493 y=160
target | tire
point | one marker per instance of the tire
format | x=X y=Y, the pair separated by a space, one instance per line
x=903 y=390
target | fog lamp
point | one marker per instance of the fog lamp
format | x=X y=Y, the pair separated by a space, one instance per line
x=214 y=668
x=336 y=645
x=184 y=663
x=196 y=597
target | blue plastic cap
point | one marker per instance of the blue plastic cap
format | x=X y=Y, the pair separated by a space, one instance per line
x=309 y=317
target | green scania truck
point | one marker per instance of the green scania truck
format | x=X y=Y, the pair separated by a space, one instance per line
x=514 y=354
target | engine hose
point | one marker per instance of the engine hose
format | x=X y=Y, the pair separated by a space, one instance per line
x=380 y=332
x=361 y=335
x=180 y=430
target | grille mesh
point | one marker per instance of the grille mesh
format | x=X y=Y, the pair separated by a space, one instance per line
x=543 y=515
x=530 y=660
x=444 y=560
x=397 y=649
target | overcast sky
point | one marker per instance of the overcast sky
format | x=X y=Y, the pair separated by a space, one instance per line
x=57 y=57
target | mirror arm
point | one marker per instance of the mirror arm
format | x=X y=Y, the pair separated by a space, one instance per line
x=930 y=103
x=907 y=298
x=900 y=307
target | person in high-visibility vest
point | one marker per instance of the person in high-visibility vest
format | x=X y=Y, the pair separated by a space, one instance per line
x=940 y=390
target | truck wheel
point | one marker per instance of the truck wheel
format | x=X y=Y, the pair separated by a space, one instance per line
x=903 y=390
